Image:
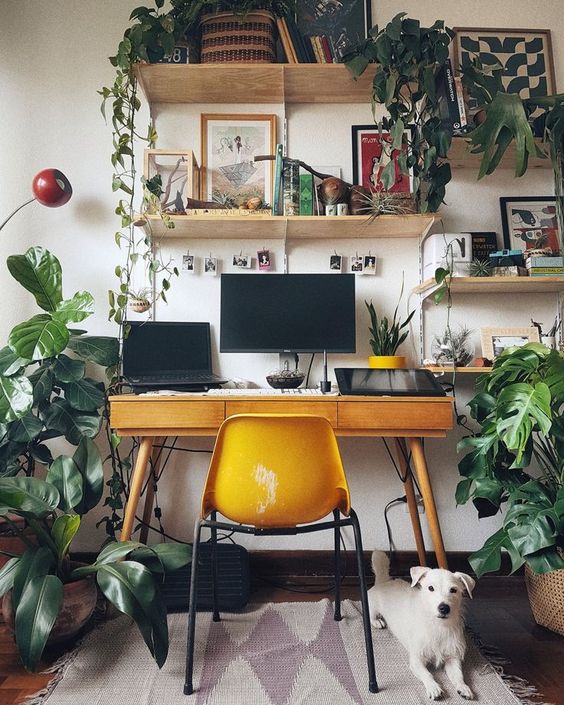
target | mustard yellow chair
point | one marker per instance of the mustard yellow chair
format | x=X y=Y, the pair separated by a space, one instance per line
x=275 y=474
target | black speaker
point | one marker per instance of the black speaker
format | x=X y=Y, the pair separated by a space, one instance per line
x=233 y=580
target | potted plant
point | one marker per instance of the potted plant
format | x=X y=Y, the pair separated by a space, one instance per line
x=140 y=300
x=516 y=460
x=45 y=593
x=387 y=336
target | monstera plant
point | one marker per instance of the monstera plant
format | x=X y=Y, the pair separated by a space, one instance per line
x=516 y=459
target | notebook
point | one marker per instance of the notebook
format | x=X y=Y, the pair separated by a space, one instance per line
x=169 y=355
x=380 y=382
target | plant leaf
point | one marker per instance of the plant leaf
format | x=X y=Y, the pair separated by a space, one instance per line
x=521 y=408
x=7 y=573
x=66 y=369
x=25 y=429
x=71 y=423
x=103 y=350
x=10 y=362
x=39 y=338
x=76 y=309
x=163 y=557
x=16 y=398
x=64 y=475
x=84 y=395
x=40 y=273
x=89 y=463
x=35 y=562
x=63 y=531
x=28 y=495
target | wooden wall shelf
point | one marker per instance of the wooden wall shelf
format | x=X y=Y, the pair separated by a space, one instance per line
x=252 y=83
x=268 y=227
x=499 y=285
x=460 y=157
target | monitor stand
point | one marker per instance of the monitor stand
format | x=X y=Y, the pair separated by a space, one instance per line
x=325 y=384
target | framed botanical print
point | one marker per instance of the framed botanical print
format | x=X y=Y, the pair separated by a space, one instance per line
x=372 y=154
x=229 y=146
x=530 y=223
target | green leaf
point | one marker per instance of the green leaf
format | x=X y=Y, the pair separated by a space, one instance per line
x=66 y=369
x=36 y=614
x=42 y=380
x=35 y=562
x=25 y=429
x=76 y=309
x=488 y=558
x=388 y=175
x=63 y=531
x=28 y=495
x=39 y=338
x=163 y=557
x=71 y=423
x=533 y=536
x=546 y=561
x=7 y=573
x=65 y=476
x=521 y=408
x=16 y=398
x=39 y=272
x=89 y=463
x=84 y=395
x=10 y=363
x=100 y=349
x=462 y=493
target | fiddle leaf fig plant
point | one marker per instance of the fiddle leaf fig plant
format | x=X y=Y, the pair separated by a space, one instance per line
x=516 y=459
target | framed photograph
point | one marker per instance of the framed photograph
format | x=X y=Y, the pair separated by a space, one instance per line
x=369 y=264
x=357 y=264
x=371 y=153
x=188 y=263
x=525 y=54
x=336 y=263
x=496 y=340
x=529 y=223
x=229 y=146
x=342 y=23
x=241 y=261
x=210 y=266
x=264 y=260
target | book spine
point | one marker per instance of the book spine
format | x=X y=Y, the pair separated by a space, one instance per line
x=277 y=181
x=460 y=101
x=326 y=49
x=546 y=270
x=546 y=274
x=544 y=262
x=446 y=93
x=315 y=49
x=319 y=45
x=285 y=40
x=309 y=49
x=292 y=45
x=291 y=187
x=306 y=194
x=297 y=41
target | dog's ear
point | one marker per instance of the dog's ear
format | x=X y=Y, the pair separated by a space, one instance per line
x=468 y=582
x=417 y=572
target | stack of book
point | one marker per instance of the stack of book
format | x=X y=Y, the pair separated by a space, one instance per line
x=294 y=191
x=545 y=266
x=302 y=49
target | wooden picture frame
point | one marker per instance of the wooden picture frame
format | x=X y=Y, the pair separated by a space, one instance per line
x=367 y=159
x=530 y=222
x=180 y=176
x=229 y=144
x=495 y=340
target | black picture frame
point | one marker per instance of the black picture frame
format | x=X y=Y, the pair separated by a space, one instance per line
x=343 y=23
x=534 y=232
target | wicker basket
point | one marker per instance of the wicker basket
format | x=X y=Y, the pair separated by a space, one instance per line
x=228 y=37
x=546 y=596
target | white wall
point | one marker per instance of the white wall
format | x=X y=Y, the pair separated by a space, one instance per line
x=54 y=61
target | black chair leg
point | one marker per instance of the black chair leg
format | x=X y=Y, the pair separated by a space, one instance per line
x=372 y=683
x=337 y=571
x=188 y=687
x=216 y=617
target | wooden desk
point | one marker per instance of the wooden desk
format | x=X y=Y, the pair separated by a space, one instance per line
x=406 y=419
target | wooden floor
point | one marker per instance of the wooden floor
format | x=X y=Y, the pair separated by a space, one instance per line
x=499 y=614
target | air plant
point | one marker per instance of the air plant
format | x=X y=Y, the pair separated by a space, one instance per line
x=383 y=203
x=453 y=347
x=480 y=268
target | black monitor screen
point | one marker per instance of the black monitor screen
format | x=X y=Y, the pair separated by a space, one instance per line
x=287 y=312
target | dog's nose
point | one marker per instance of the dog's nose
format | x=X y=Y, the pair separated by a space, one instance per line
x=444 y=609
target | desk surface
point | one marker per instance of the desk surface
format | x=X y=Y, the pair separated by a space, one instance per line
x=200 y=415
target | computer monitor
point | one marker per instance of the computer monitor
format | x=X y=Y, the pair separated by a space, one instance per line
x=288 y=313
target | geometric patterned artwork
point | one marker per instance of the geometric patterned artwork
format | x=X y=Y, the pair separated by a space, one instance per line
x=524 y=54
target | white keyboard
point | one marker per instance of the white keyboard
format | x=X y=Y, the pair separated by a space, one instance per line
x=240 y=392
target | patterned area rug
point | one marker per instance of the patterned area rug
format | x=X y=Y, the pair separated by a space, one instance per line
x=272 y=654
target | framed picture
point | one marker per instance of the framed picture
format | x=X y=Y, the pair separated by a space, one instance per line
x=188 y=263
x=369 y=264
x=357 y=264
x=179 y=173
x=530 y=222
x=241 y=261
x=496 y=340
x=342 y=23
x=229 y=146
x=336 y=263
x=264 y=260
x=210 y=266
x=525 y=54
x=371 y=153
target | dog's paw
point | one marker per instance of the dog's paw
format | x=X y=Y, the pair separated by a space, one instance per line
x=379 y=622
x=434 y=691
x=465 y=691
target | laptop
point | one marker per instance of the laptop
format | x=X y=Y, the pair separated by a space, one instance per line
x=169 y=355
x=380 y=382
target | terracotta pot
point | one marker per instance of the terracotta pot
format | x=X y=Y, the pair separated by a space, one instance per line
x=387 y=362
x=79 y=601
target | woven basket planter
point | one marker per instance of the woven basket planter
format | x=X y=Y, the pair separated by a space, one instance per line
x=546 y=597
x=227 y=37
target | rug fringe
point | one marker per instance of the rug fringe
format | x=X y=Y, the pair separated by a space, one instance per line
x=527 y=693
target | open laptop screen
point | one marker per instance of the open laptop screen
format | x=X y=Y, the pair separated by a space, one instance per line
x=156 y=347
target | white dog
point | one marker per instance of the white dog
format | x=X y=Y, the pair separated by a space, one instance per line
x=426 y=617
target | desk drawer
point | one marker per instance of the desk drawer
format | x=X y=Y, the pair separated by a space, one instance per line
x=391 y=415
x=326 y=409
x=173 y=414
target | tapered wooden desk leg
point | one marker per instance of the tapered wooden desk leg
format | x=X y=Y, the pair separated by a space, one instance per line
x=150 y=492
x=401 y=452
x=139 y=471
x=424 y=481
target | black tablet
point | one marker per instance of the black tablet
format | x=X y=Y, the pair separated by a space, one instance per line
x=376 y=382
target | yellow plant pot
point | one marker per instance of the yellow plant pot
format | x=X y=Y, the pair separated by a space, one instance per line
x=387 y=362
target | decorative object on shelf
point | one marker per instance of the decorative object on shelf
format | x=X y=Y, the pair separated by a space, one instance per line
x=496 y=340
x=341 y=24
x=179 y=177
x=530 y=222
x=387 y=336
x=342 y=208
x=331 y=209
x=524 y=55
x=229 y=37
x=253 y=204
x=241 y=261
x=264 y=260
x=369 y=264
x=406 y=59
x=229 y=146
x=482 y=244
x=140 y=301
x=286 y=378
x=375 y=203
x=480 y=268
x=335 y=263
x=548 y=338
x=509 y=271
x=375 y=159
x=210 y=266
x=454 y=348
x=188 y=263
x=481 y=362
x=447 y=250
x=518 y=407
x=50 y=187
x=333 y=191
